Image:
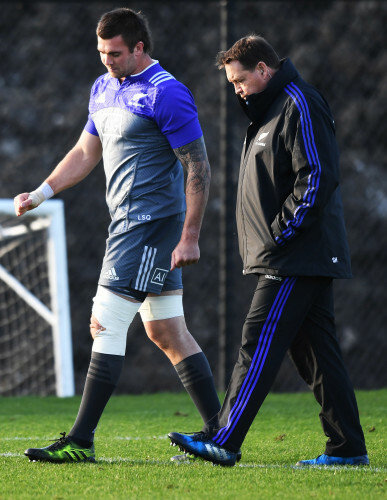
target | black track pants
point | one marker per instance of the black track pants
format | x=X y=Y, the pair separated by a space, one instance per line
x=294 y=314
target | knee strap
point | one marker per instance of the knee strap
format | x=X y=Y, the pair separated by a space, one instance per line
x=115 y=314
x=161 y=307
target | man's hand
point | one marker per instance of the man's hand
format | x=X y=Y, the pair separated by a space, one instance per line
x=185 y=254
x=23 y=203
x=27 y=201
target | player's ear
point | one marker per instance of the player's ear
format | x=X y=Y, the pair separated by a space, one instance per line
x=138 y=48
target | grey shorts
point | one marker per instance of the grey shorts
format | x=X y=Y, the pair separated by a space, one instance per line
x=140 y=257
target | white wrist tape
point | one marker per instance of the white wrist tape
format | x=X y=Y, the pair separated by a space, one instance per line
x=42 y=193
x=161 y=307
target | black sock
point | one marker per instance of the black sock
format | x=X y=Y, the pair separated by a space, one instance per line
x=196 y=376
x=102 y=377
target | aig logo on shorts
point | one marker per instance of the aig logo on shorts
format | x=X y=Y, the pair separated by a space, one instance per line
x=159 y=276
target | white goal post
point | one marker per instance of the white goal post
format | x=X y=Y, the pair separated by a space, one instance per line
x=49 y=218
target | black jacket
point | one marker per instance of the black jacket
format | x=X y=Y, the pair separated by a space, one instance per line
x=289 y=210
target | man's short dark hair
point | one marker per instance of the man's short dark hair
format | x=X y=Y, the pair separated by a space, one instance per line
x=131 y=25
x=249 y=51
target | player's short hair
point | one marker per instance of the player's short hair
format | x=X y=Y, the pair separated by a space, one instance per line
x=132 y=26
x=249 y=50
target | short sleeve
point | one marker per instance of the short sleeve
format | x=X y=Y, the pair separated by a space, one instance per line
x=176 y=115
x=90 y=127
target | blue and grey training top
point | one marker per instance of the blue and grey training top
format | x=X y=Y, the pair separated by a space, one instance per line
x=139 y=123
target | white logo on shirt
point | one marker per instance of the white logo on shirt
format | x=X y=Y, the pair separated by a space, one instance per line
x=135 y=100
x=335 y=260
x=112 y=125
x=260 y=138
x=101 y=98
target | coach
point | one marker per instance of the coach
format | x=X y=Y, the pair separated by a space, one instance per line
x=292 y=237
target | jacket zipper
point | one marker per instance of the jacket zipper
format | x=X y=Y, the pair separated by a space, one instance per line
x=243 y=170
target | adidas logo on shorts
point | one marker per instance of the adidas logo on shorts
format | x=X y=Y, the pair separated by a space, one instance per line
x=111 y=274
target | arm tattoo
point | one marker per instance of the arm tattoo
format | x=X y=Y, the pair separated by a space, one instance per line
x=193 y=157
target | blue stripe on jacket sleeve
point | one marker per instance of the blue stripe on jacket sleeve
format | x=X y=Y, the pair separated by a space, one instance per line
x=309 y=197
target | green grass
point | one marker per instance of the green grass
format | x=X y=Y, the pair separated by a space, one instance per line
x=133 y=456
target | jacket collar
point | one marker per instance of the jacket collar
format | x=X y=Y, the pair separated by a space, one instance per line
x=256 y=105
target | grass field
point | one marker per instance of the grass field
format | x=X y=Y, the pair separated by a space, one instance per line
x=133 y=452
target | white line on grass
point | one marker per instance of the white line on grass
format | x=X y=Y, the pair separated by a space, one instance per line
x=117 y=460
x=21 y=438
x=123 y=438
x=314 y=467
x=138 y=438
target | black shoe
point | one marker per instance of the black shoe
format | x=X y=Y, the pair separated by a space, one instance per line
x=200 y=445
x=63 y=450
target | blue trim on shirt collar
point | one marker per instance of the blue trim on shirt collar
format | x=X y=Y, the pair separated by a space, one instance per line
x=147 y=72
